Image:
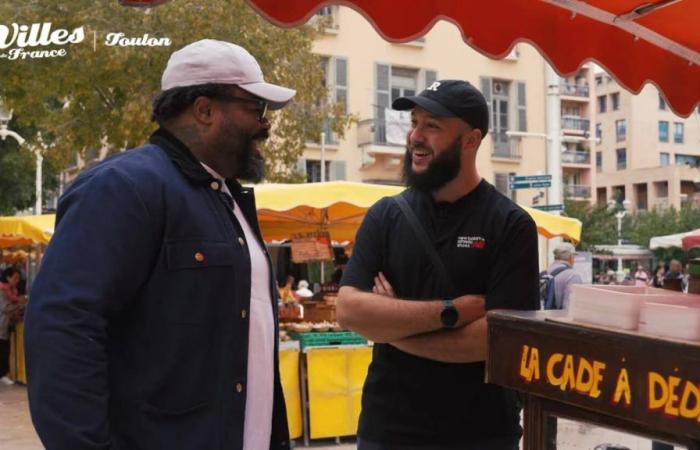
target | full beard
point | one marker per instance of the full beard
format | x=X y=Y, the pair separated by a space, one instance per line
x=250 y=162
x=441 y=170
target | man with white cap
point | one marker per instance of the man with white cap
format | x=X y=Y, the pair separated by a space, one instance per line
x=152 y=323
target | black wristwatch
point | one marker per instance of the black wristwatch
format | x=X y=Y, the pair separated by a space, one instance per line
x=449 y=315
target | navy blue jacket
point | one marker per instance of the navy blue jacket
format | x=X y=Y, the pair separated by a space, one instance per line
x=137 y=327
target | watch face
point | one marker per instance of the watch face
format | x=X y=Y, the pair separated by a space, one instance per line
x=449 y=317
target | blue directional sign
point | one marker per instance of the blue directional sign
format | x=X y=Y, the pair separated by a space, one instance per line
x=558 y=207
x=530 y=181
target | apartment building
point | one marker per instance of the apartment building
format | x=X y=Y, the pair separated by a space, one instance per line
x=367 y=73
x=577 y=99
x=645 y=153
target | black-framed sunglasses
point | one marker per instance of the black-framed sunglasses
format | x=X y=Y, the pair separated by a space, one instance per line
x=261 y=104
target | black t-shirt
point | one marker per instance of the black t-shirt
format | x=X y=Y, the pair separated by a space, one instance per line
x=489 y=246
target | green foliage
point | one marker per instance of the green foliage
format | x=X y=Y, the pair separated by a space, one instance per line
x=599 y=225
x=98 y=93
x=660 y=222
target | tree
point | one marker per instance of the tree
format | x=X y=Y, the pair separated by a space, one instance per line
x=18 y=170
x=599 y=225
x=660 y=222
x=98 y=94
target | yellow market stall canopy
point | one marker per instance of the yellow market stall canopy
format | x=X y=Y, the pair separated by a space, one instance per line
x=26 y=230
x=339 y=206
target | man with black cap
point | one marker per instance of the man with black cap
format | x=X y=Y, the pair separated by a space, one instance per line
x=153 y=319
x=419 y=287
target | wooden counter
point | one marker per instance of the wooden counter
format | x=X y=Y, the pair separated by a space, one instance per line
x=639 y=384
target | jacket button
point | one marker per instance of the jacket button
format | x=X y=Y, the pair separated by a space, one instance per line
x=214 y=185
x=244 y=313
x=241 y=241
x=199 y=257
x=239 y=387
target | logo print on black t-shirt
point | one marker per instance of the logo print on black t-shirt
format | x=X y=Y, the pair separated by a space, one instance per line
x=477 y=242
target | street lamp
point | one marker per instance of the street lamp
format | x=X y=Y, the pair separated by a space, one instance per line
x=5 y=118
x=619 y=215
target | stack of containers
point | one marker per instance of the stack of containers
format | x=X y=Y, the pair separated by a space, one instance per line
x=652 y=311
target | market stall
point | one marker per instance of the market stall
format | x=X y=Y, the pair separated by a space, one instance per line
x=24 y=232
x=622 y=357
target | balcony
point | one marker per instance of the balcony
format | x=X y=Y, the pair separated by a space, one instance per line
x=574 y=90
x=577 y=191
x=575 y=157
x=575 y=123
x=371 y=135
x=509 y=150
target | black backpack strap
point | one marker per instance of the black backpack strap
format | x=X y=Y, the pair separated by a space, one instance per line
x=423 y=238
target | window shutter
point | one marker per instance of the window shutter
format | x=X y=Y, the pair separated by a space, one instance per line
x=486 y=86
x=341 y=82
x=430 y=77
x=338 y=170
x=301 y=166
x=383 y=85
x=522 y=107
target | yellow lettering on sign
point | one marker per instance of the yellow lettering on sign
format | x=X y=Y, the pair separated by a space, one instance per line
x=622 y=388
x=658 y=391
x=598 y=368
x=569 y=375
x=530 y=364
x=690 y=390
x=585 y=370
x=671 y=407
x=554 y=360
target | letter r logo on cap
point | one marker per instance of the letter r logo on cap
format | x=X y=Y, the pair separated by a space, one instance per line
x=434 y=86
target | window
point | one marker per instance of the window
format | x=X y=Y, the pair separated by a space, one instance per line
x=502 y=184
x=598 y=161
x=662 y=103
x=688 y=160
x=335 y=82
x=678 y=132
x=620 y=130
x=615 y=101
x=313 y=171
x=599 y=133
x=391 y=83
x=329 y=16
x=663 y=159
x=621 y=154
x=598 y=80
x=663 y=131
x=602 y=103
x=507 y=101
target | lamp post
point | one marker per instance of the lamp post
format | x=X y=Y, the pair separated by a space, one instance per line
x=619 y=215
x=5 y=118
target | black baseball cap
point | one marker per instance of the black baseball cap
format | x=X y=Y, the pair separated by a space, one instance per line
x=451 y=98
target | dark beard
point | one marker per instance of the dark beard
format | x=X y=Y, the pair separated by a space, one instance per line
x=251 y=162
x=441 y=170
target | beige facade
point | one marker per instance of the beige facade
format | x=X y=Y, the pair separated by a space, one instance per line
x=645 y=153
x=370 y=72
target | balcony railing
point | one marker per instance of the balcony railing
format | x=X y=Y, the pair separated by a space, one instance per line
x=577 y=191
x=575 y=90
x=575 y=123
x=507 y=150
x=574 y=157
x=373 y=132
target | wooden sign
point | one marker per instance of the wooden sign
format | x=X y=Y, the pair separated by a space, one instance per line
x=649 y=381
x=309 y=247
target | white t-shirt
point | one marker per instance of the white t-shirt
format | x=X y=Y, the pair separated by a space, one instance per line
x=257 y=429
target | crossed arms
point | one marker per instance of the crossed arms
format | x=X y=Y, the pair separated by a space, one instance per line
x=414 y=326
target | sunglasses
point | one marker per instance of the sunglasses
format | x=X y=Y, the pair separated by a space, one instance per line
x=261 y=104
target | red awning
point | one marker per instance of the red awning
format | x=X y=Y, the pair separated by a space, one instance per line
x=636 y=41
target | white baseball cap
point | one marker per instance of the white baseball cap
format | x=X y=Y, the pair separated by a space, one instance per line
x=212 y=61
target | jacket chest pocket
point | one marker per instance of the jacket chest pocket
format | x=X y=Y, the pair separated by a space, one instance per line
x=201 y=279
x=182 y=255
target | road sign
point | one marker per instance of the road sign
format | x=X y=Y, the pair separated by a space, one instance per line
x=529 y=185
x=530 y=178
x=558 y=207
